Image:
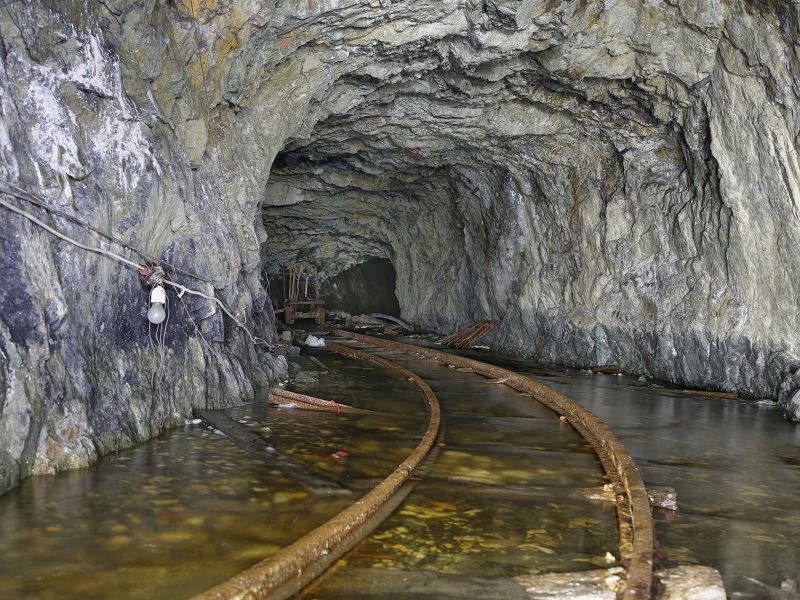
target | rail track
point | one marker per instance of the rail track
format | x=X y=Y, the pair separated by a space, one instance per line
x=290 y=570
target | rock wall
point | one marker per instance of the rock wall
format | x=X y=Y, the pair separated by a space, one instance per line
x=104 y=116
x=617 y=181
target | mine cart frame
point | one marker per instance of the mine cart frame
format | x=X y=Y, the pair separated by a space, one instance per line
x=299 y=279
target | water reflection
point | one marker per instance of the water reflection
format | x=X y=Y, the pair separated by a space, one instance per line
x=181 y=513
x=178 y=514
x=734 y=464
x=502 y=499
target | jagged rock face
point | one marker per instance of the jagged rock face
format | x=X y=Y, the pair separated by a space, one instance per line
x=103 y=116
x=614 y=179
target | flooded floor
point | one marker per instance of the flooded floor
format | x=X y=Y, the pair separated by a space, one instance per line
x=735 y=466
x=178 y=514
x=181 y=513
x=503 y=498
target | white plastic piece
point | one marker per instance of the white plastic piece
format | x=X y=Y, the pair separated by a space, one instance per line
x=158 y=294
x=315 y=342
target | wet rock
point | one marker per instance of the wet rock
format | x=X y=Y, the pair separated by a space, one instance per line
x=306 y=377
x=611 y=200
x=612 y=193
x=294 y=368
x=103 y=122
x=789 y=396
x=286 y=350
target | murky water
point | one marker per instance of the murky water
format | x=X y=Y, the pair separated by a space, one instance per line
x=734 y=464
x=503 y=498
x=176 y=515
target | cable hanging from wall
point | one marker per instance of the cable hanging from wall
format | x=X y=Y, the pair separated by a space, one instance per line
x=159 y=310
x=141 y=268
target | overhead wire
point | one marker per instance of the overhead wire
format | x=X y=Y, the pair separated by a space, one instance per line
x=17 y=192
x=182 y=289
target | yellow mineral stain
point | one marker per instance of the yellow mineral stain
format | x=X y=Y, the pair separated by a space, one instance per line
x=120 y=540
x=174 y=536
x=284 y=497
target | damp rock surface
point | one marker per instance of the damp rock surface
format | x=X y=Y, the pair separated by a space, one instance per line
x=615 y=181
x=103 y=116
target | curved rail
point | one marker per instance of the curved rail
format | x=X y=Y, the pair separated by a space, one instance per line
x=633 y=505
x=287 y=572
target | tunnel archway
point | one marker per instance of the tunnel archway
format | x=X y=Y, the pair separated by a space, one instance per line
x=368 y=287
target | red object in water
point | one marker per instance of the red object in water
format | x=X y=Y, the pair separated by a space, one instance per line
x=337 y=455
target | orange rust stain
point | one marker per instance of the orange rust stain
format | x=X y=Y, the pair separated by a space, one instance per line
x=285 y=42
x=228 y=44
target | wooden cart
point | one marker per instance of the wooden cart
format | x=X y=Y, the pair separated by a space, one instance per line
x=301 y=300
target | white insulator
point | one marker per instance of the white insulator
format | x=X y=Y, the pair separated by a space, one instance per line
x=158 y=294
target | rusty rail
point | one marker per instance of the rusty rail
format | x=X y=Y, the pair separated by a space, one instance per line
x=637 y=537
x=287 y=572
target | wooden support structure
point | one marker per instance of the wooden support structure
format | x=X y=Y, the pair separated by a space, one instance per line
x=302 y=298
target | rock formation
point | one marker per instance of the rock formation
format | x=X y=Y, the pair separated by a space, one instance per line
x=616 y=180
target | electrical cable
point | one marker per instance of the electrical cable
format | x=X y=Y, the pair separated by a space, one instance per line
x=17 y=192
x=108 y=253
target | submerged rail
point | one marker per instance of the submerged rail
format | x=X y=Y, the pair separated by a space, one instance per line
x=633 y=506
x=287 y=572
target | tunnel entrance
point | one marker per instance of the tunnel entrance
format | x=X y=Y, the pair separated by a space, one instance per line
x=363 y=288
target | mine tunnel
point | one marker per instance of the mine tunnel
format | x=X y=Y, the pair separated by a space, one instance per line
x=399 y=299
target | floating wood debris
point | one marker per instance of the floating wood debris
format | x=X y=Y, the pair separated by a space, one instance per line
x=470 y=335
x=294 y=400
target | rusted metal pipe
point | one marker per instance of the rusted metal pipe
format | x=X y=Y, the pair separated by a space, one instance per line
x=634 y=516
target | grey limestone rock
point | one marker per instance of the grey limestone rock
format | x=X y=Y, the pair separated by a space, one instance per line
x=616 y=181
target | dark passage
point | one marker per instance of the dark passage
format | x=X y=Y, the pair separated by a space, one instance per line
x=364 y=288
